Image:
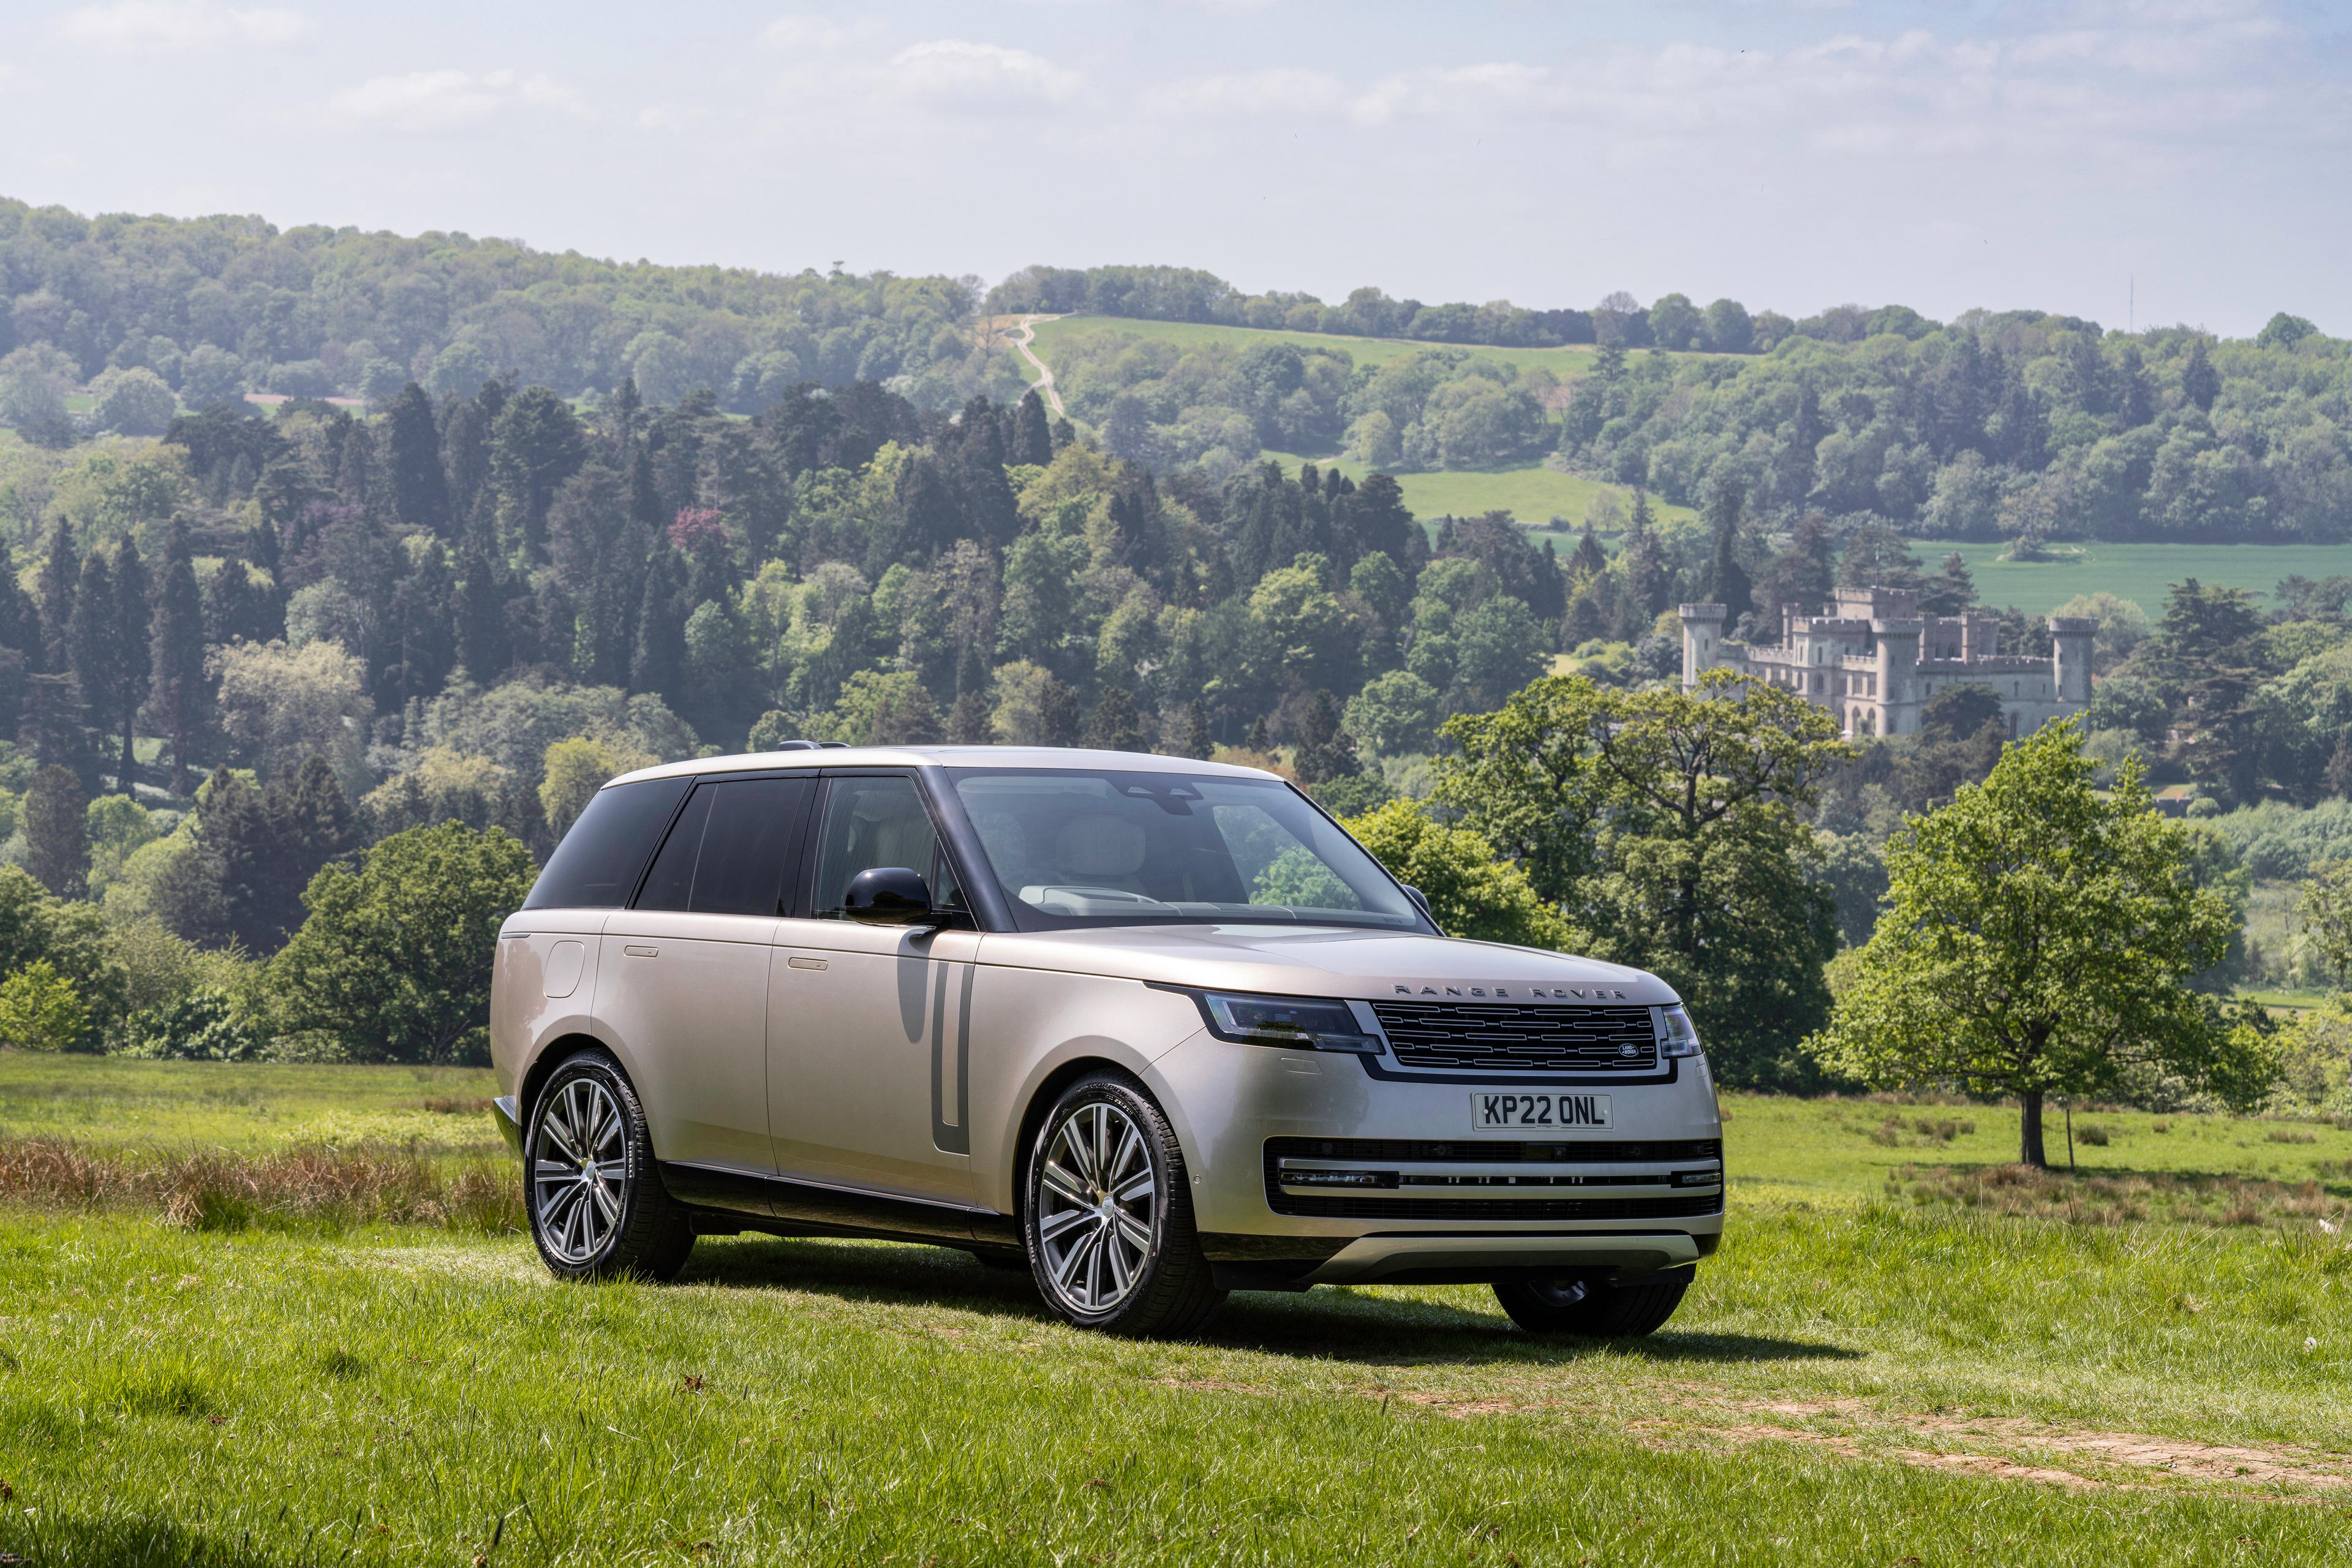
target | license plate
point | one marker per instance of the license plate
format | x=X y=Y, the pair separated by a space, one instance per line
x=1501 y=1110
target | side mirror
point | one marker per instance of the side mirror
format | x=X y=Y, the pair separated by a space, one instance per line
x=889 y=896
x=1421 y=902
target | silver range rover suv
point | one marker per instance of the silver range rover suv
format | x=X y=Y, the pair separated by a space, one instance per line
x=1152 y=1029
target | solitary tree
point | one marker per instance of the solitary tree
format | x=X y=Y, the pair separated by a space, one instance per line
x=2035 y=942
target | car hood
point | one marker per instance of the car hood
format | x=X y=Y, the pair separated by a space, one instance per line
x=1327 y=961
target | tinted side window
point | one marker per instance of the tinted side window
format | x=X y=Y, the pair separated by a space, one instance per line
x=868 y=823
x=752 y=825
x=670 y=884
x=597 y=864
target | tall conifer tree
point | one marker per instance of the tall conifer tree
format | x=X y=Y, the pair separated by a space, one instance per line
x=177 y=652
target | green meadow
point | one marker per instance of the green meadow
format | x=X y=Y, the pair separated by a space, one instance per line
x=2141 y=573
x=1903 y=1353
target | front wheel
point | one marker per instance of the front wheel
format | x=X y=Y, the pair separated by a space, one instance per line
x=1595 y=1308
x=1109 y=1216
x=598 y=1210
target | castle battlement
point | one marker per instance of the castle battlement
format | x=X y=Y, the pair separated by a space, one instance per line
x=1872 y=659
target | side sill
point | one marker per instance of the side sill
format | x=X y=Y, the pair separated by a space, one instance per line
x=785 y=1208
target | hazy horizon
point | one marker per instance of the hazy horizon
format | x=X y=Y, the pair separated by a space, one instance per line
x=1791 y=155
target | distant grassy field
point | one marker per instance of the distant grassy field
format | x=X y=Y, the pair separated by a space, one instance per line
x=1869 y=1372
x=2141 y=573
x=1534 y=494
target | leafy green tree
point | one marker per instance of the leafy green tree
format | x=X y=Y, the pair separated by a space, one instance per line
x=880 y=709
x=71 y=937
x=41 y=1011
x=56 y=847
x=134 y=402
x=1472 y=890
x=2035 y=942
x=1395 y=714
x=394 y=961
x=34 y=381
x=1663 y=824
x=578 y=767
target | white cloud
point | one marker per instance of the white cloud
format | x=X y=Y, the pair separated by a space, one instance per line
x=949 y=73
x=1276 y=88
x=163 y=27
x=422 y=103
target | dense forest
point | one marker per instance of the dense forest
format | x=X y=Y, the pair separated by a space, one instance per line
x=218 y=306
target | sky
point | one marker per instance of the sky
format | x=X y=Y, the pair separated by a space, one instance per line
x=2129 y=161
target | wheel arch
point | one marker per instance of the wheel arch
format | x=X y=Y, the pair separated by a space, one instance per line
x=1048 y=1089
x=553 y=1054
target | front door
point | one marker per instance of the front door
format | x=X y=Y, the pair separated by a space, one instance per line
x=868 y=1024
x=683 y=981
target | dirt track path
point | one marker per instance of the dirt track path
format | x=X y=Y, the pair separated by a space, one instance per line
x=1025 y=334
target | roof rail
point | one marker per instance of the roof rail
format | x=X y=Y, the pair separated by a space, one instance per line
x=794 y=746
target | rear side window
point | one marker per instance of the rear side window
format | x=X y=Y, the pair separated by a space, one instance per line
x=726 y=856
x=596 y=866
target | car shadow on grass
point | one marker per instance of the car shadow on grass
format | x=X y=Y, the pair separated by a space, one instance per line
x=1347 y=1323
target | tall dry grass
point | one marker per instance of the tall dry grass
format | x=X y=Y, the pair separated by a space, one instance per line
x=298 y=1187
x=2122 y=1199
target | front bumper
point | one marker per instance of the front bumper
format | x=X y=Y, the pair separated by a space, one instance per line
x=1307 y=1169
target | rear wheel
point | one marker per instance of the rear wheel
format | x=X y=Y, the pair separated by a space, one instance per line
x=1109 y=1216
x=598 y=1210
x=1595 y=1308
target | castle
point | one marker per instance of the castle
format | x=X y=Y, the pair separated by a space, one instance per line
x=1873 y=660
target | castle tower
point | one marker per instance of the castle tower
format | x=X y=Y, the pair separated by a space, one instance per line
x=1701 y=640
x=2072 y=639
x=1896 y=643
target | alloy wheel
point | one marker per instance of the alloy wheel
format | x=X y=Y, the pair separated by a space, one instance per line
x=580 y=1170
x=1099 y=1197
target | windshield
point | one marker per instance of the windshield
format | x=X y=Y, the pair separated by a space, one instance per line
x=1073 y=847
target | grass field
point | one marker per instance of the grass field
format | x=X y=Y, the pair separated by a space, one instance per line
x=1870 y=1371
x=1533 y=493
x=2141 y=573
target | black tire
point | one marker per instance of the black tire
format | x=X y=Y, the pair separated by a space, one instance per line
x=1148 y=1276
x=1595 y=1308
x=601 y=1211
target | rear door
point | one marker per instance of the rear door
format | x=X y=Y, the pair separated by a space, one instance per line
x=683 y=978
x=868 y=1026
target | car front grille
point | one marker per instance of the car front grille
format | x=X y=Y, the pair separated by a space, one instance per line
x=1529 y=1039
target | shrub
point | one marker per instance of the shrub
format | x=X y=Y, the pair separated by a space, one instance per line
x=205 y=1024
x=41 y=1011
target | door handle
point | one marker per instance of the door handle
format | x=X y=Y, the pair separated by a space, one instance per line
x=797 y=962
x=643 y=952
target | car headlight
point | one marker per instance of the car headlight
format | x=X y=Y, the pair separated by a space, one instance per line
x=1297 y=1023
x=1680 y=1038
